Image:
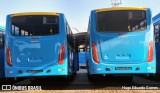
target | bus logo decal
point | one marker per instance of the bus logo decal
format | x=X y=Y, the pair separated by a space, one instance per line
x=105 y=57
x=18 y=60
x=122 y=36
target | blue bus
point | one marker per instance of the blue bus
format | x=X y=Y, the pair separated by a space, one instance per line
x=2 y=31
x=156 y=23
x=82 y=58
x=75 y=55
x=81 y=37
x=121 y=42
x=38 y=44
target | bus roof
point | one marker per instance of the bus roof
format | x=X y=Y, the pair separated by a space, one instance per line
x=120 y=8
x=156 y=18
x=2 y=28
x=81 y=37
x=35 y=13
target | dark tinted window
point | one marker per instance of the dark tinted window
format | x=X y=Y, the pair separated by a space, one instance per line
x=1 y=40
x=156 y=33
x=121 y=21
x=35 y=25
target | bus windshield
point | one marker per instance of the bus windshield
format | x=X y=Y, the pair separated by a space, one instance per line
x=35 y=25
x=121 y=21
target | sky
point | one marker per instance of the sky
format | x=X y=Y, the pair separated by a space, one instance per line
x=76 y=11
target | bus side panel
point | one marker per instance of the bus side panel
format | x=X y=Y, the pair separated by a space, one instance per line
x=76 y=57
x=156 y=21
x=8 y=22
x=64 y=68
x=1 y=55
x=1 y=63
x=76 y=62
x=158 y=58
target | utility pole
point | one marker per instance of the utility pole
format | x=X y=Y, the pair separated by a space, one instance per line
x=116 y=3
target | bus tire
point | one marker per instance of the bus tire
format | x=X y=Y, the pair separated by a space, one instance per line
x=33 y=81
x=9 y=81
x=157 y=75
x=37 y=81
x=2 y=81
x=75 y=73
x=70 y=78
x=91 y=78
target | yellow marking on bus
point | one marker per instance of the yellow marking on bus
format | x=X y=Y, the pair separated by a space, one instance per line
x=121 y=8
x=35 y=13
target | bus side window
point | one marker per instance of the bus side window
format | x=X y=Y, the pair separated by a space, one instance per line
x=67 y=32
x=1 y=41
x=142 y=25
x=69 y=35
x=81 y=50
x=24 y=33
x=15 y=31
x=87 y=49
x=156 y=33
x=72 y=41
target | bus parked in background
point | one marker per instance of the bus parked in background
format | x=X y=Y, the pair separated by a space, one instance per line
x=81 y=38
x=38 y=44
x=2 y=31
x=156 y=23
x=121 y=42
x=82 y=56
x=75 y=55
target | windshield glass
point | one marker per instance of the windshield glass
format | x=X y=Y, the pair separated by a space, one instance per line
x=121 y=21
x=35 y=25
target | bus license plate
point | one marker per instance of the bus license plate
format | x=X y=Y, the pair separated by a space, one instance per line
x=34 y=71
x=123 y=68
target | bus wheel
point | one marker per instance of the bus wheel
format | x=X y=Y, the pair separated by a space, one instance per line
x=75 y=73
x=37 y=81
x=20 y=79
x=70 y=78
x=91 y=78
x=33 y=81
x=3 y=81
x=153 y=76
x=157 y=76
x=9 y=81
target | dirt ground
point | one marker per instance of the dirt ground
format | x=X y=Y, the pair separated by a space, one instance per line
x=82 y=85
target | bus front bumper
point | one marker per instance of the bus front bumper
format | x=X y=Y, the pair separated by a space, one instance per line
x=141 y=68
x=35 y=71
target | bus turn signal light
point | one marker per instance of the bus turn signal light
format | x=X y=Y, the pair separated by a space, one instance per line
x=95 y=53
x=8 y=56
x=61 y=55
x=150 y=52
